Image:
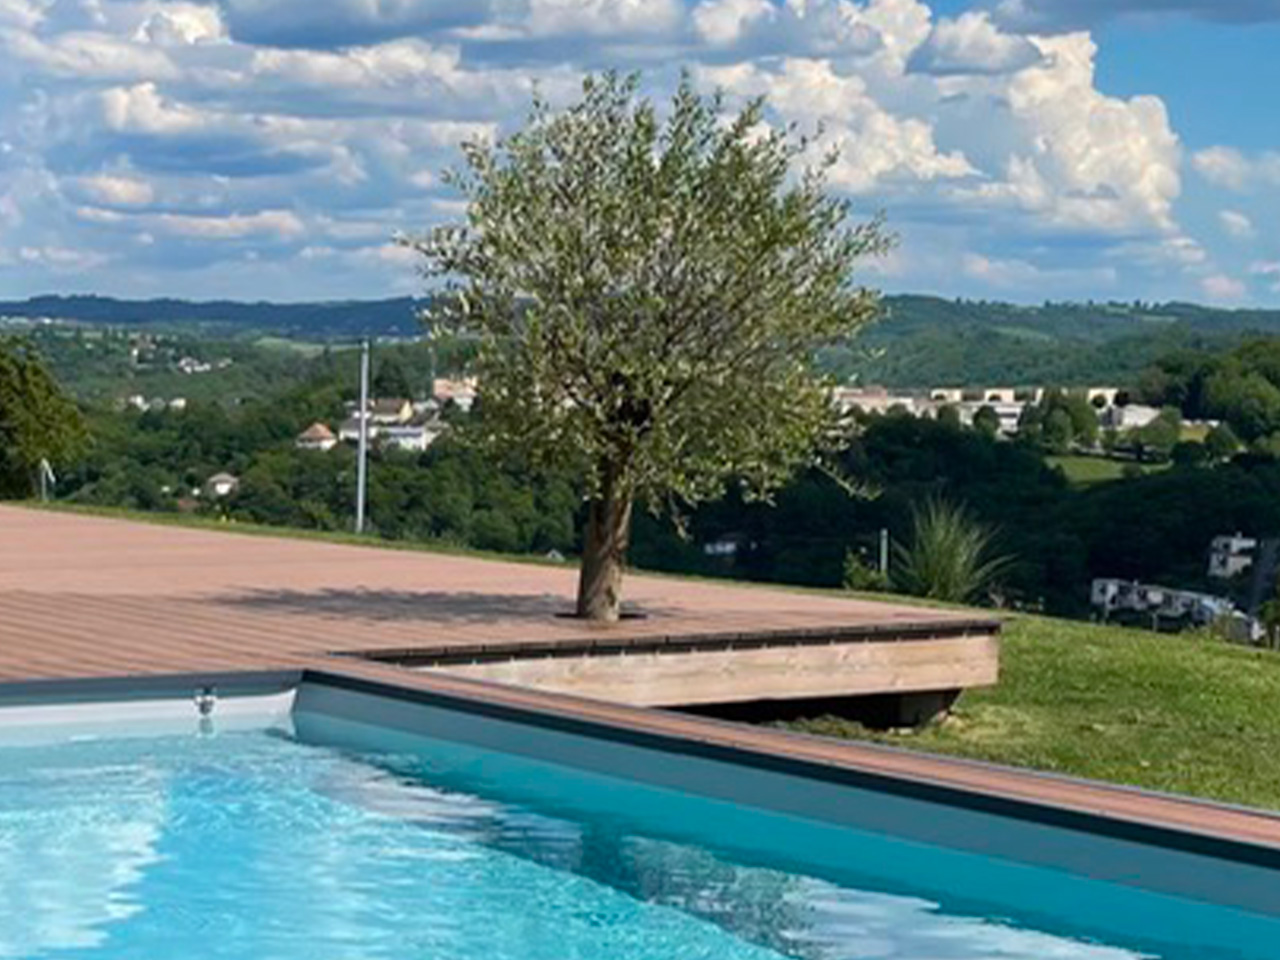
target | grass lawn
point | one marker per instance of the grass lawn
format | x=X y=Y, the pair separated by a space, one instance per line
x=1180 y=713
x=1082 y=470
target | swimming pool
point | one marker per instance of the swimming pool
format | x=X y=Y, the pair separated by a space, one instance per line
x=340 y=828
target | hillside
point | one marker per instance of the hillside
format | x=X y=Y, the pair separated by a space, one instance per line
x=920 y=341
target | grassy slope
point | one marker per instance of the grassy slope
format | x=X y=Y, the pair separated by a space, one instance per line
x=1082 y=470
x=1179 y=713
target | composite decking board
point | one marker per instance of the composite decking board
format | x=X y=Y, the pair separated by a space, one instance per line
x=166 y=593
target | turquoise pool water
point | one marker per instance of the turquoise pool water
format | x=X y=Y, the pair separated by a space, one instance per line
x=255 y=846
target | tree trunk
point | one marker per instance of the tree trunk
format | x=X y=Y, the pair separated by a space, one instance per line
x=604 y=552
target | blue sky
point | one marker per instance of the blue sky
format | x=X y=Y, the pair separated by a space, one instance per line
x=1021 y=149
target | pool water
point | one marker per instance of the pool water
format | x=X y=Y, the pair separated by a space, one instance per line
x=255 y=846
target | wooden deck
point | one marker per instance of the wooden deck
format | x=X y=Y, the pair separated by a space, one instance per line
x=88 y=597
x=85 y=596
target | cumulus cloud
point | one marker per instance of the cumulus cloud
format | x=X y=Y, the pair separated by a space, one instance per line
x=874 y=146
x=1086 y=161
x=972 y=44
x=312 y=132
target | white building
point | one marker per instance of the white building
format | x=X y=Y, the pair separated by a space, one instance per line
x=1110 y=595
x=349 y=430
x=1231 y=555
x=412 y=437
x=876 y=400
x=1129 y=417
x=461 y=392
x=221 y=485
x=318 y=436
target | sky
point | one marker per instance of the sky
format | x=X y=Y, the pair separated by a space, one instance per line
x=272 y=149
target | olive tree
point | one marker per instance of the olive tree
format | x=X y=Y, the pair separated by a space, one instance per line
x=648 y=289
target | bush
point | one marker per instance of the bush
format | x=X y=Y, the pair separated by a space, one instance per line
x=949 y=557
x=862 y=576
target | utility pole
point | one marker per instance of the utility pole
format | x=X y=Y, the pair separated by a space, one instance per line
x=362 y=454
x=47 y=479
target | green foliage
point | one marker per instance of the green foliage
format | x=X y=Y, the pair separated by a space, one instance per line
x=1157 y=439
x=986 y=420
x=949 y=556
x=647 y=294
x=1222 y=442
x=391 y=379
x=1060 y=422
x=949 y=416
x=1241 y=387
x=863 y=576
x=37 y=420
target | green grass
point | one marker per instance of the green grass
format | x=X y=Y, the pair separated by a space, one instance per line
x=1178 y=713
x=303 y=347
x=1082 y=471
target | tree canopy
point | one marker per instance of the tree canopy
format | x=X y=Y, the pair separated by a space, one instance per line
x=37 y=420
x=649 y=294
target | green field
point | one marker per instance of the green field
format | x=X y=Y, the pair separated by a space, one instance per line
x=1179 y=713
x=1082 y=471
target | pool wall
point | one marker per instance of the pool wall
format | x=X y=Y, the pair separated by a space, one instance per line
x=44 y=711
x=1151 y=858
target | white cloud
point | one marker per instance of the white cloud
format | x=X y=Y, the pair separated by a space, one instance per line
x=1229 y=168
x=142 y=109
x=600 y=17
x=384 y=65
x=831 y=27
x=1086 y=161
x=22 y=14
x=223 y=128
x=179 y=24
x=1219 y=286
x=1236 y=224
x=1268 y=271
x=87 y=56
x=972 y=44
x=875 y=146
x=117 y=190
x=62 y=259
x=281 y=224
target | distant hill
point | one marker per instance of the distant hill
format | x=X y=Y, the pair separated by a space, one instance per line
x=321 y=320
x=919 y=341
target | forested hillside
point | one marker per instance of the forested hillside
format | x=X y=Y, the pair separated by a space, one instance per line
x=919 y=341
